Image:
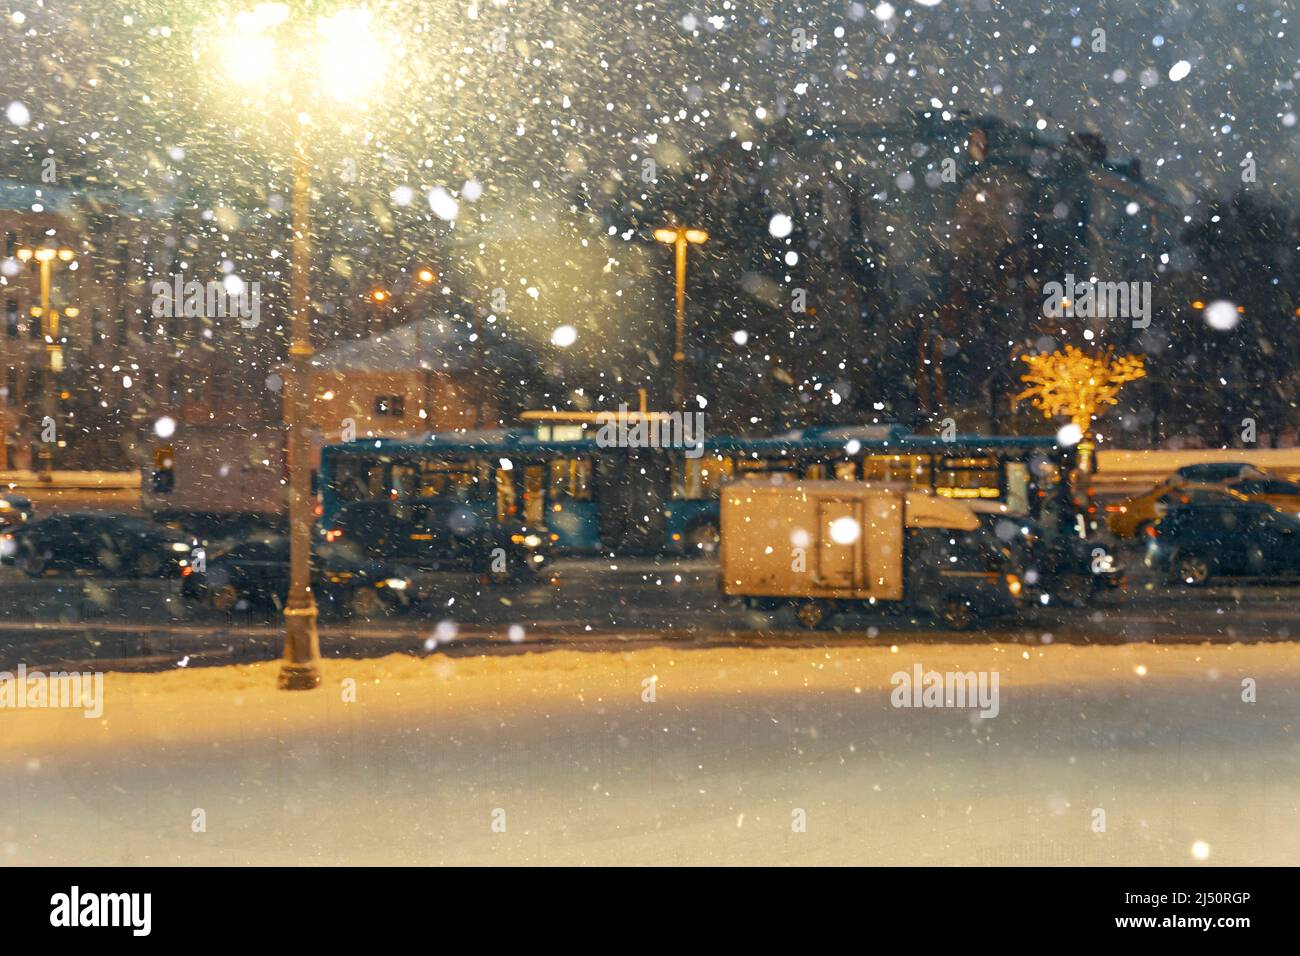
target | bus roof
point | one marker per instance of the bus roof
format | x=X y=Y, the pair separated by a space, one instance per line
x=831 y=439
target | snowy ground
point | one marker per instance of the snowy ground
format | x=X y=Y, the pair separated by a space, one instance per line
x=714 y=769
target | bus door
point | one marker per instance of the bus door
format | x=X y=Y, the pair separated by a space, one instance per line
x=571 y=506
x=696 y=487
x=532 y=481
x=649 y=485
x=613 y=497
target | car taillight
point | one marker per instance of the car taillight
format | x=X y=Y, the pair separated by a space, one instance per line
x=1151 y=531
x=186 y=571
x=333 y=534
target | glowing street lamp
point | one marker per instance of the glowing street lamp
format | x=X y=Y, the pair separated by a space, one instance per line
x=679 y=238
x=338 y=58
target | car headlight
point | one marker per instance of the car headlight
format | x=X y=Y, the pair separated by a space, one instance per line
x=180 y=546
x=397 y=584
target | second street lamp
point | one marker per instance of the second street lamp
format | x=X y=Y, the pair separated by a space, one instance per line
x=53 y=365
x=679 y=238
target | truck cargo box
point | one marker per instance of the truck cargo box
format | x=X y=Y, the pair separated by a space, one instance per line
x=825 y=539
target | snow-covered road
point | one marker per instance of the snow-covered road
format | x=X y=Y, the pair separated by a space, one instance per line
x=1124 y=754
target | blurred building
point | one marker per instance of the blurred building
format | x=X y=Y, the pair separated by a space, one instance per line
x=905 y=267
x=113 y=368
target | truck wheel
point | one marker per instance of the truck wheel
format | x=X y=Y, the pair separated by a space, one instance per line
x=812 y=614
x=34 y=563
x=365 y=602
x=224 y=599
x=703 y=538
x=1193 y=569
x=146 y=565
x=1074 y=590
x=957 y=615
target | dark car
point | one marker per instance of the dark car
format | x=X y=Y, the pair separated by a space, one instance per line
x=960 y=578
x=255 y=573
x=1217 y=472
x=436 y=534
x=1195 y=543
x=1055 y=566
x=108 y=543
x=15 y=511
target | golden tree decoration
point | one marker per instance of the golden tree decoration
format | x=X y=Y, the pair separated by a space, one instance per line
x=1076 y=384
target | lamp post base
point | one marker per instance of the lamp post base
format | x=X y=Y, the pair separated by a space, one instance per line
x=300 y=667
x=298 y=676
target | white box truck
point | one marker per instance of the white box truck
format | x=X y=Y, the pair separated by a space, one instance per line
x=824 y=546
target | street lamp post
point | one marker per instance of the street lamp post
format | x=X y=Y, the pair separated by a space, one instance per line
x=679 y=239
x=53 y=365
x=349 y=61
x=300 y=668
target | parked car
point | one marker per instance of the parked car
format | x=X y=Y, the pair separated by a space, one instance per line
x=1281 y=494
x=15 y=511
x=255 y=572
x=436 y=534
x=1216 y=472
x=1134 y=518
x=108 y=543
x=1196 y=543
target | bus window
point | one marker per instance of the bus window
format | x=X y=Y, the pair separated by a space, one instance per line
x=758 y=466
x=913 y=470
x=507 y=500
x=970 y=477
x=356 y=479
x=1018 y=490
x=846 y=471
x=402 y=480
x=570 y=479
x=534 y=484
x=704 y=476
x=462 y=480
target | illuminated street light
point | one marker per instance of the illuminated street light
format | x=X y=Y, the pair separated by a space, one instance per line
x=339 y=56
x=679 y=239
x=426 y=275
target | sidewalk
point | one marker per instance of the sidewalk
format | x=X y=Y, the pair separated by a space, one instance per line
x=19 y=480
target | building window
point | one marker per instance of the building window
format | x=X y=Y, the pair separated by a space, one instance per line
x=12 y=328
x=11 y=244
x=390 y=406
x=36 y=327
x=11 y=386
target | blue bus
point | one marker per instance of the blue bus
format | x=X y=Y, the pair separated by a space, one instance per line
x=594 y=498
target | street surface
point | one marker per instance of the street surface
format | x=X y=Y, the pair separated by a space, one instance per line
x=529 y=708
x=587 y=603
